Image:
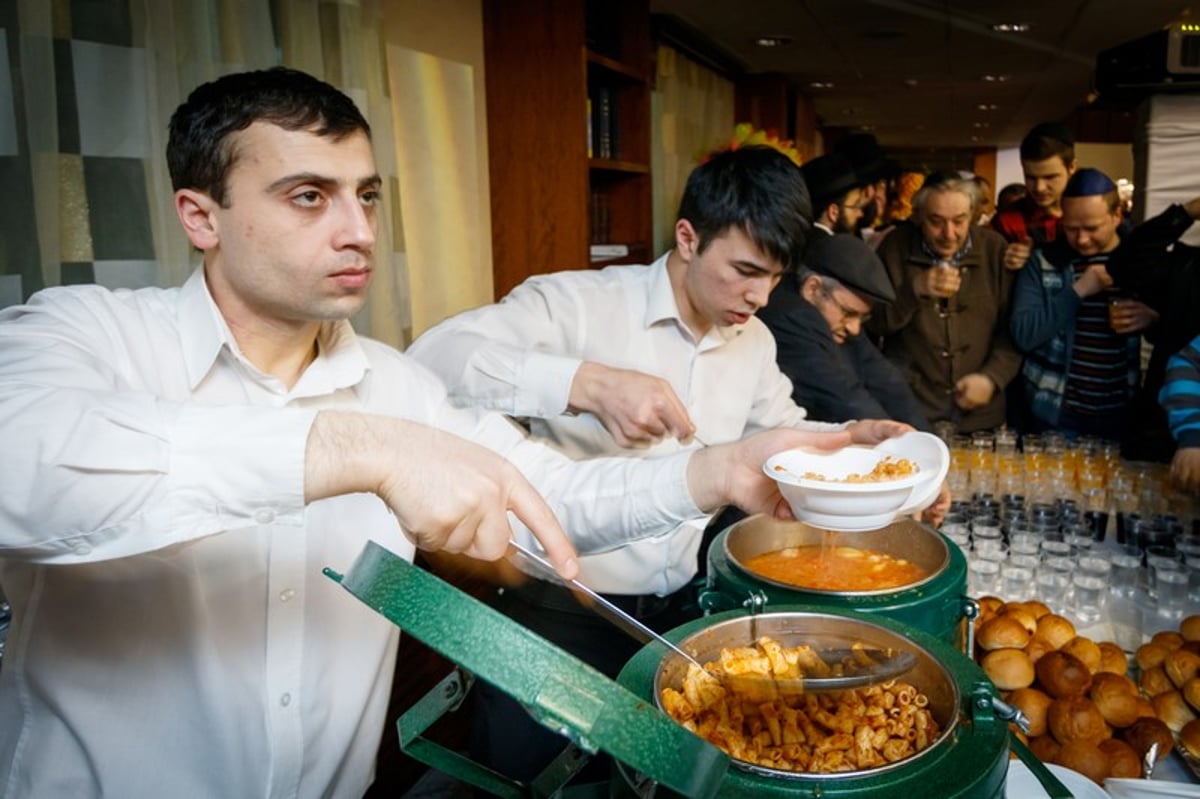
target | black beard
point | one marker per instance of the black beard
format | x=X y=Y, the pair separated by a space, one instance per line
x=868 y=218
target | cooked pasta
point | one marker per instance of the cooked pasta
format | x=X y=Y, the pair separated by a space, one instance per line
x=849 y=730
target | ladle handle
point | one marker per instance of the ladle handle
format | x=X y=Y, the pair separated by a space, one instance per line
x=619 y=618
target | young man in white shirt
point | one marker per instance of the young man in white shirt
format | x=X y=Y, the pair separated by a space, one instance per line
x=181 y=463
x=639 y=360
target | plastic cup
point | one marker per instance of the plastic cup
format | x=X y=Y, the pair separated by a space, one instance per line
x=1126 y=571
x=984 y=576
x=1172 y=590
x=1015 y=579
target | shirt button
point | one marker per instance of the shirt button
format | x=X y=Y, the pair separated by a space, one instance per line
x=285 y=700
x=286 y=594
x=264 y=515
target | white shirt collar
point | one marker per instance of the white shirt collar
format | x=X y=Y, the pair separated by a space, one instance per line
x=203 y=333
x=662 y=307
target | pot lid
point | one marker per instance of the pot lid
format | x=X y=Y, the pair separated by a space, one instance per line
x=564 y=693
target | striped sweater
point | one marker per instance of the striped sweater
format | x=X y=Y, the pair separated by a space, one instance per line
x=1180 y=395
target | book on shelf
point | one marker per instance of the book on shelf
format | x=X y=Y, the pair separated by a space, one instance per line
x=603 y=123
x=601 y=252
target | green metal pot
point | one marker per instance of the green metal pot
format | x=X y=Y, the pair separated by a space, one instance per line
x=937 y=604
x=969 y=759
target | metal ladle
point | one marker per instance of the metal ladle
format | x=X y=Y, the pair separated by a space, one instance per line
x=886 y=663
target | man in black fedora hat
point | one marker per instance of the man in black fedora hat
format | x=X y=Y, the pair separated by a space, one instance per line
x=836 y=192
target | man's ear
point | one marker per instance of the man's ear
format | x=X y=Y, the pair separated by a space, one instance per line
x=833 y=212
x=810 y=287
x=197 y=213
x=686 y=239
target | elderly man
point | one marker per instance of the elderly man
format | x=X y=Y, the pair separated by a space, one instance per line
x=1083 y=361
x=947 y=330
x=817 y=316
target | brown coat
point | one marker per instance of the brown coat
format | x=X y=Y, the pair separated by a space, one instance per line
x=936 y=342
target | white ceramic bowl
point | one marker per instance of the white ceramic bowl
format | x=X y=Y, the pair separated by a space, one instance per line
x=859 y=506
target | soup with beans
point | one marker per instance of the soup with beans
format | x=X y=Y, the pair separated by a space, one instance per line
x=836 y=568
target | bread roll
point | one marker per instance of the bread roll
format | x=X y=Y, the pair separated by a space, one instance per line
x=1055 y=629
x=1086 y=758
x=1037 y=647
x=1150 y=654
x=1145 y=709
x=1168 y=638
x=1086 y=650
x=1037 y=607
x=1002 y=632
x=1045 y=748
x=1009 y=669
x=1146 y=731
x=1191 y=693
x=1076 y=718
x=1189 y=737
x=1115 y=698
x=1122 y=760
x=1181 y=666
x=1172 y=709
x=1062 y=675
x=1189 y=628
x=989 y=606
x=1021 y=614
x=1191 y=646
x=1112 y=658
x=1034 y=704
x=1155 y=681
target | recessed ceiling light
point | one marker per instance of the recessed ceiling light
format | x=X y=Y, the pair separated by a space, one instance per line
x=987 y=106
x=981 y=124
x=773 y=41
x=994 y=78
x=1011 y=27
x=820 y=84
x=976 y=138
x=911 y=82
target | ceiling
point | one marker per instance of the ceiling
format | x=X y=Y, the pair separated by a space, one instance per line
x=916 y=73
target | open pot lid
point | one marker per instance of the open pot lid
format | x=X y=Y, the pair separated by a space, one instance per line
x=564 y=693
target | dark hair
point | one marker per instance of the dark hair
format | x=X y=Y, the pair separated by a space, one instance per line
x=1010 y=195
x=758 y=190
x=199 y=151
x=1048 y=140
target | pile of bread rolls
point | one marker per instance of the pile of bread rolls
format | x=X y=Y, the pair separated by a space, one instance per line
x=1085 y=710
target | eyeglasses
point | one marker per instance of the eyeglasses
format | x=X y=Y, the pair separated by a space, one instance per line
x=848 y=314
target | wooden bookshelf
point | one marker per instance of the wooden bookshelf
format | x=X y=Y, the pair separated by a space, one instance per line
x=554 y=192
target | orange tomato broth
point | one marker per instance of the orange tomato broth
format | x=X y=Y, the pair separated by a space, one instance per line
x=835 y=568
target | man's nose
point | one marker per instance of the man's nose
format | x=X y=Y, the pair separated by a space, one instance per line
x=357 y=226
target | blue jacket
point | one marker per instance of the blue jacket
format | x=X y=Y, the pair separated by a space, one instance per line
x=1043 y=327
x=1180 y=395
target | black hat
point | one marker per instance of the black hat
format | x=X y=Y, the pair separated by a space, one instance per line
x=828 y=178
x=850 y=261
x=865 y=155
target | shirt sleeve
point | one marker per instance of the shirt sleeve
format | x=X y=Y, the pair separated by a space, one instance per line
x=96 y=468
x=1180 y=395
x=602 y=503
x=501 y=356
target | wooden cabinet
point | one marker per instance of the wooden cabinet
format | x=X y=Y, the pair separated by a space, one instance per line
x=560 y=74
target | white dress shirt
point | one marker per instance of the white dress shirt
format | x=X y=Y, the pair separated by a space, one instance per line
x=173 y=635
x=519 y=357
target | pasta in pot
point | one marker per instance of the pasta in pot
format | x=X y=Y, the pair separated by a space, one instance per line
x=851 y=730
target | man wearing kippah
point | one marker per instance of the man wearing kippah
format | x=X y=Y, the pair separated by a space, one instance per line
x=1081 y=338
